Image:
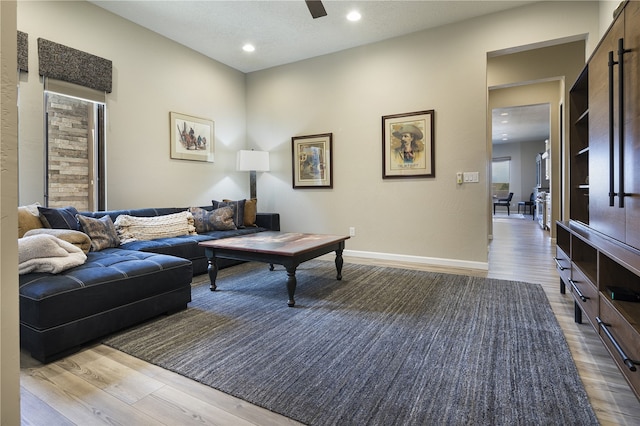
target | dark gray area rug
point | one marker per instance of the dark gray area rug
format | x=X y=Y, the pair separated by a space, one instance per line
x=383 y=346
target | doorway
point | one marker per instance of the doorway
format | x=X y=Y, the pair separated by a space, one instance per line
x=520 y=145
x=513 y=76
x=525 y=124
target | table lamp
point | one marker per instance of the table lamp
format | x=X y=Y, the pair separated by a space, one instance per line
x=252 y=162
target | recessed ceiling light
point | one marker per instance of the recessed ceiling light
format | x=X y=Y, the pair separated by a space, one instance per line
x=248 y=47
x=504 y=114
x=354 y=16
x=504 y=121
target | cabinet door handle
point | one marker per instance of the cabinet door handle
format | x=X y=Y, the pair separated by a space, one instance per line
x=562 y=268
x=621 y=52
x=577 y=290
x=620 y=63
x=612 y=194
x=631 y=364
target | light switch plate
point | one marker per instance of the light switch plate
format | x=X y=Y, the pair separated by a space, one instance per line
x=471 y=177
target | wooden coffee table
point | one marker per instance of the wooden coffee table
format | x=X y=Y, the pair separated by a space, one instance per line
x=281 y=248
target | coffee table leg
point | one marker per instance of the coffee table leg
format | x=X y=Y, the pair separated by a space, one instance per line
x=212 y=269
x=291 y=285
x=339 y=263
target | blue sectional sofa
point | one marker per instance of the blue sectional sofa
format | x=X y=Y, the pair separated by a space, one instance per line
x=116 y=287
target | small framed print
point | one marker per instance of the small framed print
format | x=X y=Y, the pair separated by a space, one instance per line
x=192 y=138
x=312 y=161
x=408 y=145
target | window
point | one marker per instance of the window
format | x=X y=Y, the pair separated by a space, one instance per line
x=74 y=152
x=500 y=177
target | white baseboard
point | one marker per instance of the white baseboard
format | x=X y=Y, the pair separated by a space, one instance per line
x=433 y=261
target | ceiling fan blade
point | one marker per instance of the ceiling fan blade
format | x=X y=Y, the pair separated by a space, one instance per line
x=316 y=8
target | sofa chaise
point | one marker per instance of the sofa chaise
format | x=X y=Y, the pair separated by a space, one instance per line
x=117 y=286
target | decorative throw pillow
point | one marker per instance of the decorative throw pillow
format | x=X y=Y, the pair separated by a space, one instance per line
x=238 y=210
x=77 y=238
x=222 y=219
x=212 y=220
x=250 y=211
x=102 y=232
x=133 y=228
x=60 y=218
x=28 y=219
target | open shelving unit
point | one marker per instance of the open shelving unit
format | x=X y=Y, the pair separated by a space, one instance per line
x=579 y=148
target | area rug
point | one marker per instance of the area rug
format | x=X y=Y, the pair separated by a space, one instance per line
x=384 y=346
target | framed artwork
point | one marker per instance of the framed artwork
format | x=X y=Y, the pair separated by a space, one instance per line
x=408 y=145
x=312 y=161
x=192 y=138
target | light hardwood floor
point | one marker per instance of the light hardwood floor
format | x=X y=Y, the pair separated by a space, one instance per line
x=103 y=386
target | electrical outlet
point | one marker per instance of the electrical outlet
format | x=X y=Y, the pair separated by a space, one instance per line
x=352 y=231
x=459 y=177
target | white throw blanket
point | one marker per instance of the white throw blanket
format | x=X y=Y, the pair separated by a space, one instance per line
x=46 y=253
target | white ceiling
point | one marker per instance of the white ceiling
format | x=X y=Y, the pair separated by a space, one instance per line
x=527 y=123
x=284 y=32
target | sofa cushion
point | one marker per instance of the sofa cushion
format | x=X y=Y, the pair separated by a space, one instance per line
x=59 y=218
x=238 y=210
x=102 y=232
x=28 y=219
x=132 y=228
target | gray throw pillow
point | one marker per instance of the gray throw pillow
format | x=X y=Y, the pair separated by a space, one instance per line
x=238 y=210
x=102 y=232
x=222 y=219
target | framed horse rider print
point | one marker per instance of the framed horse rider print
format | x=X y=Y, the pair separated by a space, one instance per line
x=408 y=145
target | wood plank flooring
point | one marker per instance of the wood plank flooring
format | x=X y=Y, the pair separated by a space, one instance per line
x=103 y=386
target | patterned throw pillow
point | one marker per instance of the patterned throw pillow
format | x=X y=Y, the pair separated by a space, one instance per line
x=222 y=219
x=238 y=210
x=60 y=218
x=101 y=231
x=212 y=220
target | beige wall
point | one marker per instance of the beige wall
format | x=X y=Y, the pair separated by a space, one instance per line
x=445 y=69
x=151 y=77
x=9 y=338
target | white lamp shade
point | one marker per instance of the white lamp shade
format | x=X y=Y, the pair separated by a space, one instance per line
x=252 y=161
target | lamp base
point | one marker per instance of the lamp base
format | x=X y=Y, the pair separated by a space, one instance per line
x=252 y=184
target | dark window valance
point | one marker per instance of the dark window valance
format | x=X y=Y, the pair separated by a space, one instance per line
x=75 y=66
x=23 y=51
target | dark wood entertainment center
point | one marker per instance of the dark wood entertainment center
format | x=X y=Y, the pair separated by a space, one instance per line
x=598 y=249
